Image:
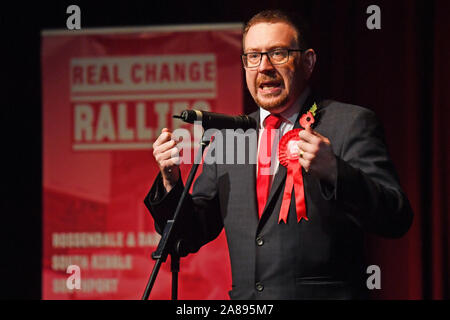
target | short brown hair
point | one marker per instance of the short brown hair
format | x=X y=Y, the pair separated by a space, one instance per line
x=272 y=16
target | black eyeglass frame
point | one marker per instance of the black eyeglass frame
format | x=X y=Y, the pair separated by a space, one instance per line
x=244 y=56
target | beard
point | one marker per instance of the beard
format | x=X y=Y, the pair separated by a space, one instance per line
x=271 y=101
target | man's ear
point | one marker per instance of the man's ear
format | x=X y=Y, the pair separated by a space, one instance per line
x=309 y=62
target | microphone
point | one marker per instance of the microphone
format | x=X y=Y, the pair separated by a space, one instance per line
x=211 y=120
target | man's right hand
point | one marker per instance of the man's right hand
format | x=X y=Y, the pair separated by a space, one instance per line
x=167 y=156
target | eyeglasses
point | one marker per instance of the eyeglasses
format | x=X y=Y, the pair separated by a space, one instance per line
x=277 y=56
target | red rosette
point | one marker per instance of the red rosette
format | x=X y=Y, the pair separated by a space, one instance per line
x=288 y=155
x=285 y=148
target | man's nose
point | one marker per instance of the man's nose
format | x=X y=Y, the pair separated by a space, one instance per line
x=265 y=64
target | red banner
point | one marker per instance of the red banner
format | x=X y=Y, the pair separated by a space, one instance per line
x=106 y=96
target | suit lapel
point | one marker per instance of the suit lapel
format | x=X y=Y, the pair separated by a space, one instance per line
x=250 y=173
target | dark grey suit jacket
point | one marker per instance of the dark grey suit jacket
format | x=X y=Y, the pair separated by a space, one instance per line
x=322 y=258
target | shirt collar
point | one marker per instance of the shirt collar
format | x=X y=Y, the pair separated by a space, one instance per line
x=289 y=115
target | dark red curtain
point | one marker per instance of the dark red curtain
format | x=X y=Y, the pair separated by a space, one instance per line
x=439 y=170
x=402 y=73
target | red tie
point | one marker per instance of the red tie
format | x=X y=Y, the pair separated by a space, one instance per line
x=264 y=177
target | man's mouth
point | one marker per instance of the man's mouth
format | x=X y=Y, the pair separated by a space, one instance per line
x=270 y=87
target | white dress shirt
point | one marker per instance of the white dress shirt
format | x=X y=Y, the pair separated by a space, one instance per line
x=288 y=118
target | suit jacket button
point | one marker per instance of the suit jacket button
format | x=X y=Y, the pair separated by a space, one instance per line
x=259 y=242
x=259 y=286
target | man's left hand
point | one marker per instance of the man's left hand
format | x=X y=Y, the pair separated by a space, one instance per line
x=316 y=155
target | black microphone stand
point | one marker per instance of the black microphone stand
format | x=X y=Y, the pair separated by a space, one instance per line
x=169 y=242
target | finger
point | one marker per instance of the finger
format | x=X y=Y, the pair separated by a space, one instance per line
x=307 y=136
x=163 y=137
x=307 y=147
x=177 y=139
x=166 y=155
x=309 y=129
x=304 y=163
x=315 y=133
x=307 y=156
x=164 y=147
x=175 y=152
x=172 y=162
x=165 y=134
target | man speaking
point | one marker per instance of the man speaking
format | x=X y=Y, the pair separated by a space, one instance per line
x=294 y=219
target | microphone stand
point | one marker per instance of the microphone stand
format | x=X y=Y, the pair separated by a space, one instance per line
x=169 y=242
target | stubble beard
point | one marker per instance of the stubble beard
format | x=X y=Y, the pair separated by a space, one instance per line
x=272 y=103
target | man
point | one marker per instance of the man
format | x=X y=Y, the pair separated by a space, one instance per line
x=349 y=183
